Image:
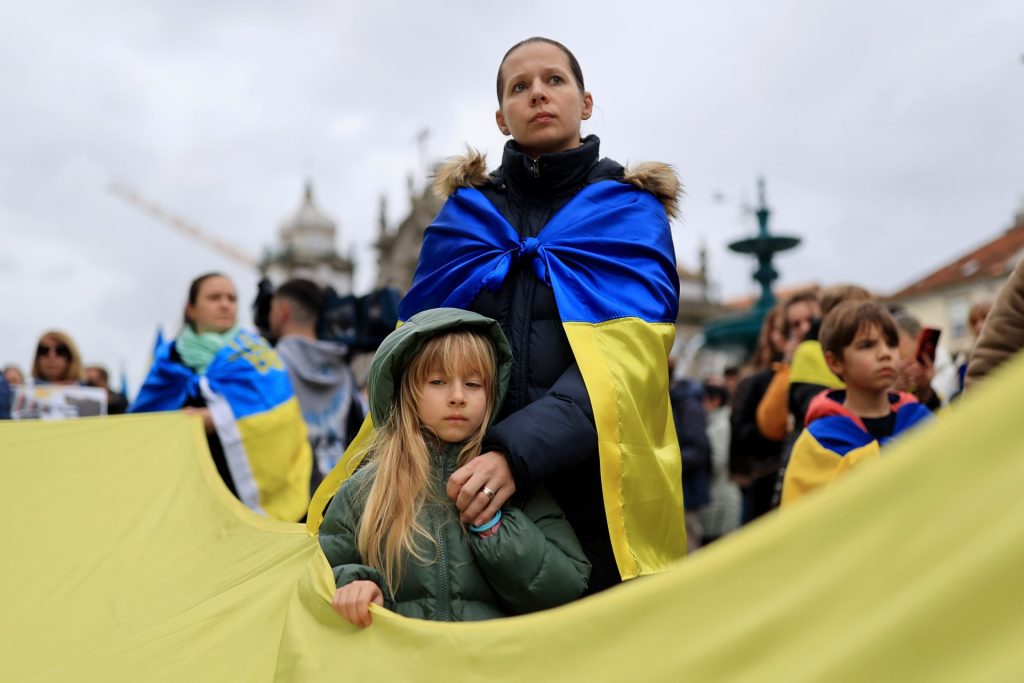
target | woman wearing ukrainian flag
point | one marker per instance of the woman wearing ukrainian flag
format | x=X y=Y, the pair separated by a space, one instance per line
x=573 y=255
x=237 y=384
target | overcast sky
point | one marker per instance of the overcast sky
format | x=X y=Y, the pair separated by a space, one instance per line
x=890 y=133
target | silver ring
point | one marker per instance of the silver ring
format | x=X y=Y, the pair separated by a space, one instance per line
x=487 y=492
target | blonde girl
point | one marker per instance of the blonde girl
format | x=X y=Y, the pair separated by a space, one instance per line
x=393 y=537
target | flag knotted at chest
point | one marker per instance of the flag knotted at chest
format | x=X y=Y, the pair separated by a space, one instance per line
x=608 y=254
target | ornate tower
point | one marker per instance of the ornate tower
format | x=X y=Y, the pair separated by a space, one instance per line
x=307 y=249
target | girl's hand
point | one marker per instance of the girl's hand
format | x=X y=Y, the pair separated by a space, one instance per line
x=352 y=601
x=466 y=487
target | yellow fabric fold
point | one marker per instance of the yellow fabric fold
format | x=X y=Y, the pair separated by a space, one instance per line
x=624 y=364
x=280 y=458
x=124 y=558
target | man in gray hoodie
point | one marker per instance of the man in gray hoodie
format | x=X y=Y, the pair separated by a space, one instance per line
x=319 y=372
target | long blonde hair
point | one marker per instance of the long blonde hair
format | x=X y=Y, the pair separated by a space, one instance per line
x=400 y=453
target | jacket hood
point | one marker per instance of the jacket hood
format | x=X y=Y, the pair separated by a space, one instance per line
x=830 y=402
x=399 y=348
x=318 y=362
x=470 y=170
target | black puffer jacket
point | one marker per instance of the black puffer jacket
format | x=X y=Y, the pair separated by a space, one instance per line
x=547 y=427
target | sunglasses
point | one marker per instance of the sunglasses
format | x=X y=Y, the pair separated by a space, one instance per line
x=60 y=349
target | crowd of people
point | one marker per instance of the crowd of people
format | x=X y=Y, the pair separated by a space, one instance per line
x=803 y=374
x=517 y=446
x=58 y=363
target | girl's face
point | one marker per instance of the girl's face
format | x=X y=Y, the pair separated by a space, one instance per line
x=541 y=106
x=216 y=306
x=452 y=406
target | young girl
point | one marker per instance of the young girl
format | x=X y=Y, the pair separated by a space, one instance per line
x=392 y=535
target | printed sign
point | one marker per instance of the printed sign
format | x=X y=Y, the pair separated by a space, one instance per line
x=57 y=402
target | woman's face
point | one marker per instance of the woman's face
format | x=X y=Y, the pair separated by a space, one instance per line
x=54 y=359
x=542 y=106
x=216 y=306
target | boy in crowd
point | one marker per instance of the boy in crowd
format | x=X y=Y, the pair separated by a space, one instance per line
x=845 y=427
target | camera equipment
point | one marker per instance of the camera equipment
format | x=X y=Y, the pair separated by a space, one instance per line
x=359 y=322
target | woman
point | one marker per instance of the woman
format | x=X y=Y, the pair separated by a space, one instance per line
x=578 y=287
x=754 y=457
x=236 y=383
x=57 y=360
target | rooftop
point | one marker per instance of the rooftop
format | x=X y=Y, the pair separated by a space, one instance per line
x=994 y=259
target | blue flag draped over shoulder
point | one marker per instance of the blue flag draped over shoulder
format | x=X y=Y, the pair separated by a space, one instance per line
x=256 y=416
x=608 y=254
x=608 y=257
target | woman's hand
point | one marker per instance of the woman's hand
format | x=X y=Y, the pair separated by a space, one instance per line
x=205 y=414
x=352 y=601
x=916 y=377
x=466 y=487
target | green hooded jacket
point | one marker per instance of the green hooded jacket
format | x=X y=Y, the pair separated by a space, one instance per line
x=533 y=562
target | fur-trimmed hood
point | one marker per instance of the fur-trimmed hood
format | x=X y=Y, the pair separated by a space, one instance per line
x=470 y=170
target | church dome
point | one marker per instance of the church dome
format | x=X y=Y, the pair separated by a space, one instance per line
x=309 y=232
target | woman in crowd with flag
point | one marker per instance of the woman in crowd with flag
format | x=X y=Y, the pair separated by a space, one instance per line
x=237 y=384
x=573 y=255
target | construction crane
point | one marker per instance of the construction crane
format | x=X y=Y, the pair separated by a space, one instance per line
x=183 y=226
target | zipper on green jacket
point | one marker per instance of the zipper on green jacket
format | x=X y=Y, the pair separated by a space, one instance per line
x=444 y=587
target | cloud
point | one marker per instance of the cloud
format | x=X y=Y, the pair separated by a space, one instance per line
x=889 y=136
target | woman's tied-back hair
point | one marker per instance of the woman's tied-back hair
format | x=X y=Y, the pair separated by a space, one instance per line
x=74 y=370
x=401 y=453
x=574 y=65
x=841 y=325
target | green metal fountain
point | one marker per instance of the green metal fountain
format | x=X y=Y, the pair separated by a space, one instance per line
x=742 y=330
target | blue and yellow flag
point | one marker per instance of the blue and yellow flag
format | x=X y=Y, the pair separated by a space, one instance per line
x=609 y=259
x=255 y=413
x=836 y=441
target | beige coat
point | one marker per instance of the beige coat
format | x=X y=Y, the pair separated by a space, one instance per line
x=1003 y=333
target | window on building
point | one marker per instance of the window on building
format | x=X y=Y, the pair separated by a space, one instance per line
x=958 y=308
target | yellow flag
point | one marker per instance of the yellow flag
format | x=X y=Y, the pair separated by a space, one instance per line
x=124 y=558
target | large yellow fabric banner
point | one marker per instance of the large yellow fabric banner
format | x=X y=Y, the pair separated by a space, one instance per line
x=123 y=558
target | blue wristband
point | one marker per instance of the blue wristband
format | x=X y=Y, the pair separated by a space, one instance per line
x=484 y=527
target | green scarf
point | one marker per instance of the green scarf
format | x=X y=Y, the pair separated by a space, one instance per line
x=197 y=350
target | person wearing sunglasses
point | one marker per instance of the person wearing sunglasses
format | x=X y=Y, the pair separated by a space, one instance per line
x=57 y=360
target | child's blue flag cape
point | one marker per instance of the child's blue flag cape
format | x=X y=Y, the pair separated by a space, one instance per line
x=836 y=441
x=255 y=413
x=609 y=258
